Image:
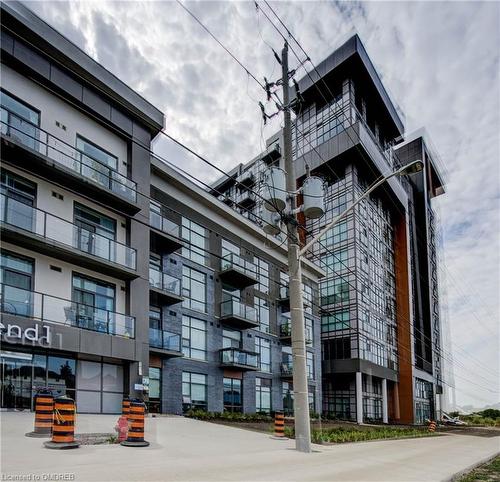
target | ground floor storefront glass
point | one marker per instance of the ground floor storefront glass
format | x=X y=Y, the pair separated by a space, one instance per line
x=95 y=386
x=154 y=405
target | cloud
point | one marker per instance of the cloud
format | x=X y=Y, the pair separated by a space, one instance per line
x=438 y=60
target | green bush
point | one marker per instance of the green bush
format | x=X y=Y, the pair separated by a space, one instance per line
x=343 y=434
x=490 y=413
x=228 y=416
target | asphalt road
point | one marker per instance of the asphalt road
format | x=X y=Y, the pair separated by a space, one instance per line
x=183 y=449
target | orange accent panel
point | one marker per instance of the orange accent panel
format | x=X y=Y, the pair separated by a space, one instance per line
x=405 y=385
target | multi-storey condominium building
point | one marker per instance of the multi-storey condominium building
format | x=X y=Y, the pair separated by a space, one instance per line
x=379 y=300
x=119 y=276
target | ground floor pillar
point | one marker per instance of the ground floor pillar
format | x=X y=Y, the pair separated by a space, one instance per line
x=385 y=416
x=359 y=397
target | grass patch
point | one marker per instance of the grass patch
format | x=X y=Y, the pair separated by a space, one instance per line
x=344 y=435
x=490 y=472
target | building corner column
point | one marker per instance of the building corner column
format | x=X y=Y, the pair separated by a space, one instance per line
x=385 y=417
x=359 y=398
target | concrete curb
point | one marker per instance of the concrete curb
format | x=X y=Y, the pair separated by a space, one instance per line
x=470 y=468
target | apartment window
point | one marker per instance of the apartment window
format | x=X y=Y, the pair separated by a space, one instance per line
x=231 y=338
x=155 y=318
x=308 y=297
x=194 y=289
x=263 y=395
x=94 y=300
x=310 y=365
x=311 y=395
x=309 y=326
x=263 y=348
x=233 y=395
x=19 y=120
x=17 y=201
x=262 y=275
x=229 y=248
x=194 y=391
x=334 y=291
x=196 y=236
x=16 y=283
x=96 y=153
x=336 y=235
x=335 y=321
x=194 y=338
x=262 y=308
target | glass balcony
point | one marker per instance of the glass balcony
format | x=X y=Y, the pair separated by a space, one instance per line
x=238 y=314
x=167 y=288
x=287 y=367
x=239 y=359
x=165 y=235
x=17 y=215
x=65 y=155
x=165 y=340
x=238 y=272
x=43 y=307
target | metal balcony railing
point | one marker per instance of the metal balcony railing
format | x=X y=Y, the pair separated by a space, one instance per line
x=164 y=340
x=161 y=223
x=239 y=309
x=16 y=214
x=233 y=261
x=65 y=155
x=235 y=356
x=165 y=282
x=47 y=308
x=287 y=366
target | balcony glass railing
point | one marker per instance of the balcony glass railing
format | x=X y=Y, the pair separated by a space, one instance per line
x=47 y=308
x=235 y=356
x=237 y=308
x=65 y=155
x=164 y=340
x=161 y=223
x=163 y=281
x=287 y=366
x=233 y=261
x=284 y=292
x=19 y=215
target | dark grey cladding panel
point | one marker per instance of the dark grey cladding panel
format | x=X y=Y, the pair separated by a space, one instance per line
x=66 y=83
x=123 y=348
x=96 y=103
x=95 y=343
x=7 y=42
x=32 y=59
x=121 y=120
x=141 y=134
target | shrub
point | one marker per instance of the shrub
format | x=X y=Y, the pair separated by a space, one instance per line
x=228 y=416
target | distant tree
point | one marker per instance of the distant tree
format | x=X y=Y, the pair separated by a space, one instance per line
x=490 y=413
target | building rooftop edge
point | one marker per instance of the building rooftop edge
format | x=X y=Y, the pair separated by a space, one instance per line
x=116 y=89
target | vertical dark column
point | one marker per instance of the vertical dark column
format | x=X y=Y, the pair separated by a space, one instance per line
x=139 y=239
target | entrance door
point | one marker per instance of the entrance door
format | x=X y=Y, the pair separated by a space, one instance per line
x=15 y=380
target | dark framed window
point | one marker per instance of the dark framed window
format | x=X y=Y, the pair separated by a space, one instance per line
x=194 y=288
x=263 y=395
x=194 y=338
x=16 y=283
x=18 y=197
x=194 y=391
x=96 y=153
x=233 y=395
x=263 y=348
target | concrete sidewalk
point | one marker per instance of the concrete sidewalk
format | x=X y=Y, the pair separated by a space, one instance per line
x=183 y=449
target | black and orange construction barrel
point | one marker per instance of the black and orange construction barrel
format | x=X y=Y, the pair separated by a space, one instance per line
x=279 y=425
x=63 y=428
x=126 y=407
x=44 y=410
x=135 y=435
x=432 y=426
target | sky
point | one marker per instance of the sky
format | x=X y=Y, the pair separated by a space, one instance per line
x=439 y=62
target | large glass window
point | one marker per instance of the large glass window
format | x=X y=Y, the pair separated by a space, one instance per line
x=233 y=395
x=194 y=289
x=94 y=302
x=16 y=284
x=262 y=308
x=310 y=365
x=196 y=236
x=263 y=395
x=335 y=321
x=263 y=348
x=96 y=153
x=334 y=291
x=17 y=200
x=194 y=338
x=194 y=391
x=287 y=398
x=231 y=338
x=262 y=275
x=19 y=120
x=154 y=390
x=336 y=235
